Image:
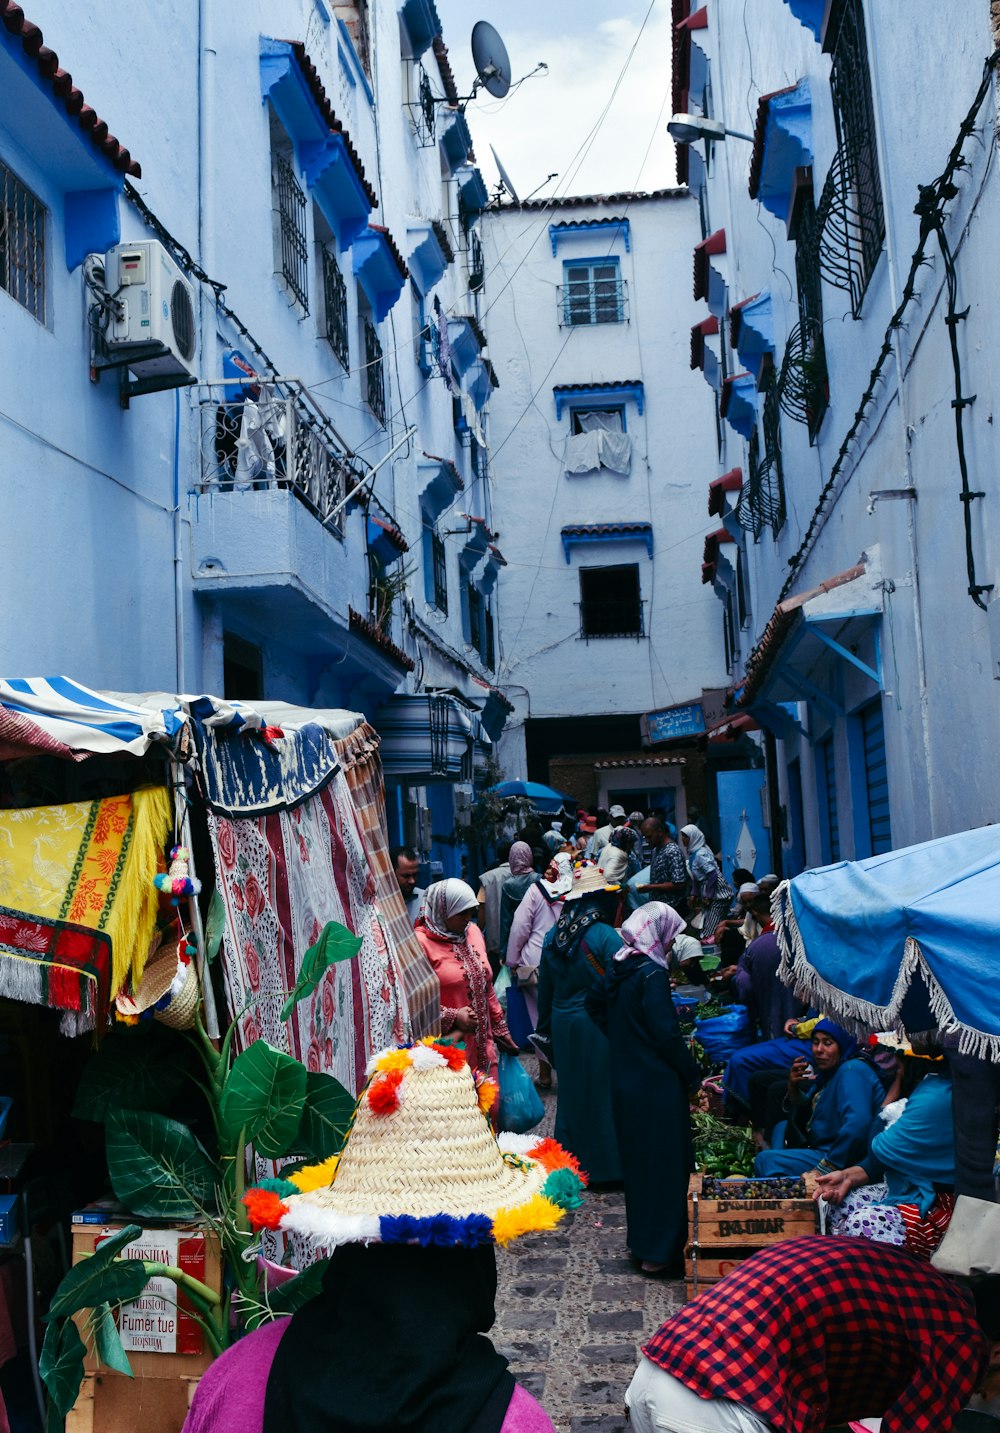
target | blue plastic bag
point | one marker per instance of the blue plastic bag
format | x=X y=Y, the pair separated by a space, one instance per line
x=521 y=1106
x=720 y=1036
x=518 y=1020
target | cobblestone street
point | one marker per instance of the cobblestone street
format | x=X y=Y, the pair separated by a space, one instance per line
x=572 y=1311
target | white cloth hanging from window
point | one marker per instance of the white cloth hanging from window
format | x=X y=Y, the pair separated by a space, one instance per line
x=254 y=450
x=601 y=443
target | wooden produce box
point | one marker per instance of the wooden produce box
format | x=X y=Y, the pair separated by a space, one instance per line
x=166 y=1372
x=725 y=1226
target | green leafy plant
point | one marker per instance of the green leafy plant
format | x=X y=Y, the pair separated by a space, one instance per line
x=261 y=1100
x=721 y=1148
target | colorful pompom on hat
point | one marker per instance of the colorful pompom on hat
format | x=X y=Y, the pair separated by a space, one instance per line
x=421 y=1165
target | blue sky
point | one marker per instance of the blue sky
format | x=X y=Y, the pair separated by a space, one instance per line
x=543 y=125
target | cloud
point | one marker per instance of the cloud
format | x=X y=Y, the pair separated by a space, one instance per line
x=547 y=124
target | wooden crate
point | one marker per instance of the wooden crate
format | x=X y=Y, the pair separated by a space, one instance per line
x=111 y=1403
x=157 y=1399
x=724 y=1231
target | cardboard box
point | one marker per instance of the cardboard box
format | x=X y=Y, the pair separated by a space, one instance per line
x=111 y=1403
x=159 y=1340
x=725 y=1229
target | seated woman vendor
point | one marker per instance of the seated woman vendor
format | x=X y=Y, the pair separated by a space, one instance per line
x=831 y=1100
x=902 y=1191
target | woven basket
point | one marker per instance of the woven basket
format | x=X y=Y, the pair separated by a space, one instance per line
x=180 y=1012
x=157 y=979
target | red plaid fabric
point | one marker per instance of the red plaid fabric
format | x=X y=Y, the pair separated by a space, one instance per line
x=815 y=1331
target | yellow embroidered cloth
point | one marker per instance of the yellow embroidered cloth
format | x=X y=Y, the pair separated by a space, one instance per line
x=91 y=864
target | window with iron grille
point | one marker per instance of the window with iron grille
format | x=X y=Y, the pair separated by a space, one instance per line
x=771 y=428
x=729 y=632
x=477 y=266
x=335 y=307
x=440 y=572
x=421 y=106
x=805 y=380
x=593 y=292
x=22 y=244
x=611 y=602
x=291 y=242
x=489 y=642
x=852 y=220
x=475 y=600
x=374 y=371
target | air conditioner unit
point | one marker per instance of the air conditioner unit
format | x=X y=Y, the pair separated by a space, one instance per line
x=153 y=327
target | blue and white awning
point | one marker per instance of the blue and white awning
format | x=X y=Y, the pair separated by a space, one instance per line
x=62 y=717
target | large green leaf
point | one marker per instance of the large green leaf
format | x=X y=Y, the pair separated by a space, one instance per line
x=325 y=1118
x=107 y=1341
x=291 y=1295
x=264 y=1096
x=158 y=1169
x=100 y=1278
x=215 y=925
x=61 y=1365
x=134 y=1069
x=336 y=943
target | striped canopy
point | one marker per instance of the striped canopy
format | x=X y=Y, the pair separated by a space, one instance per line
x=61 y=717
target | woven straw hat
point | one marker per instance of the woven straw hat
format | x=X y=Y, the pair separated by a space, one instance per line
x=421 y=1164
x=587 y=880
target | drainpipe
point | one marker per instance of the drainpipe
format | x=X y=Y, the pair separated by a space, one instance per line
x=206 y=256
x=904 y=421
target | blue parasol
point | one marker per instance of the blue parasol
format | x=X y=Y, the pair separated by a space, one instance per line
x=543 y=798
x=905 y=940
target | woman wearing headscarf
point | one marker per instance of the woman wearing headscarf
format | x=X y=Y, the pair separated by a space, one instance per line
x=711 y=892
x=397 y=1338
x=574 y=955
x=455 y=947
x=533 y=919
x=832 y=1100
x=522 y=875
x=652 y=1074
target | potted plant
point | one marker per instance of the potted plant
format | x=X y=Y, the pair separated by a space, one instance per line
x=264 y=1101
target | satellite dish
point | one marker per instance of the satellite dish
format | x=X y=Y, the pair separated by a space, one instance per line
x=505 y=179
x=489 y=55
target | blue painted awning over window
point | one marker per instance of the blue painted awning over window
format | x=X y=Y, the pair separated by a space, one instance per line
x=376 y=271
x=38 y=125
x=426 y=258
x=785 y=144
x=456 y=140
x=612 y=229
x=739 y=403
x=754 y=324
x=384 y=541
x=809 y=13
x=584 y=533
x=441 y=484
x=477 y=384
x=323 y=153
x=472 y=188
x=421 y=20
x=598 y=395
x=464 y=345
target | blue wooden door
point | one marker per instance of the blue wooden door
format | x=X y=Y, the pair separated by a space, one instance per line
x=739 y=797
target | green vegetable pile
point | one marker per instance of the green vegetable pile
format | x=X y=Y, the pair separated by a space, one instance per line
x=722 y=1149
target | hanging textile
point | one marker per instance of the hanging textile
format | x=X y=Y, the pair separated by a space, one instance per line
x=282 y=877
x=79 y=905
x=359 y=757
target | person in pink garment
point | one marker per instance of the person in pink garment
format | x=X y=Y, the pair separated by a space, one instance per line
x=363 y=1367
x=534 y=918
x=454 y=945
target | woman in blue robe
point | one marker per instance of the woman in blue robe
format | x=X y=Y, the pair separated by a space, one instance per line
x=831 y=1108
x=574 y=955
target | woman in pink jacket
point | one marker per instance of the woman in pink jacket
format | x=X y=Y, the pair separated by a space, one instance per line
x=533 y=919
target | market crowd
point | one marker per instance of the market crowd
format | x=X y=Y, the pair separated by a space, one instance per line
x=648 y=986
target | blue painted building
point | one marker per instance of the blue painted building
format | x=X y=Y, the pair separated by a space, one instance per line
x=245 y=423
x=845 y=269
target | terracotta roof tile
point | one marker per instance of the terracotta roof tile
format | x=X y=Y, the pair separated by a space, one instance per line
x=64 y=91
x=699 y=332
x=366 y=628
x=601 y=387
x=765 y=653
x=583 y=529
x=713 y=245
x=573 y=201
x=759 y=136
x=441 y=235
x=319 y=94
x=444 y=69
x=731 y=482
